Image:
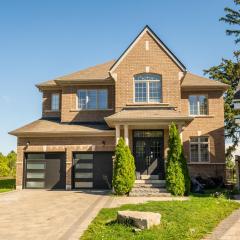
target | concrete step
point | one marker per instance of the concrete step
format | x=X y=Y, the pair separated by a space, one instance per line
x=151 y=192
x=149 y=181
x=149 y=185
x=156 y=177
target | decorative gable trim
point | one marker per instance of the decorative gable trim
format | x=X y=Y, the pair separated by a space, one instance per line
x=147 y=29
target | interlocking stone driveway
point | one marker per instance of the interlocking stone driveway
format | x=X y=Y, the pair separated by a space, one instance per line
x=41 y=214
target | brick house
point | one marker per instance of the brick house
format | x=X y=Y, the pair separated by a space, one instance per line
x=137 y=97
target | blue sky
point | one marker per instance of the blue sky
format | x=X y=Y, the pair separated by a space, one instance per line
x=40 y=40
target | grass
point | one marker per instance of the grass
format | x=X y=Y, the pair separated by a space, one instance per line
x=7 y=184
x=186 y=220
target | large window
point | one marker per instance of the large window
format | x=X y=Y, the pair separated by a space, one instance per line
x=199 y=149
x=55 y=102
x=198 y=105
x=92 y=99
x=148 y=88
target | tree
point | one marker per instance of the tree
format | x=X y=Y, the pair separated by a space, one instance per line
x=232 y=17
x=175 y=180
x=4 y=169
x=124 y=169
x=228 y=71
x=11 y=162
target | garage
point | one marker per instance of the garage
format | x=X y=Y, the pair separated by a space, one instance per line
x=45 y=170
x=92 y=170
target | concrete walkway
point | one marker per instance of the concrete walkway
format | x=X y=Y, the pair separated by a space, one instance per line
x=41 y=214
x=228 y=229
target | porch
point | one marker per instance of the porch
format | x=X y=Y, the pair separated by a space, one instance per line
x=146 y=133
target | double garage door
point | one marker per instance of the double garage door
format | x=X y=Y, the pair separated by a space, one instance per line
x=48 y=170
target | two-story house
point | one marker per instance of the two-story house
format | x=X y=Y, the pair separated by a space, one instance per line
x=135 y=97
x=236 y=102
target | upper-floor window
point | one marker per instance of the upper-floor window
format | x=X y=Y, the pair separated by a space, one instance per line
x=199 y=149
x=198 y=105
x=55 y=101
x=148 y=88
x=92 y=99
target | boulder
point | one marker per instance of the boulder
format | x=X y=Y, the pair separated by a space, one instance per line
x=141 y=220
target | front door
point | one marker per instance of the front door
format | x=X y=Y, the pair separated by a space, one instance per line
x=148 y=152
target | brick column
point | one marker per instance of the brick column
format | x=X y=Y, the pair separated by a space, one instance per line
x=68 y=169
x=19 y=168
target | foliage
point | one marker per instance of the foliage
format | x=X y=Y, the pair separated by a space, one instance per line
x=174 y=174
x=229 y=72
x=192 y=219
x=8 y=164
x=124 y=169
x=232 y=17
x=7 y=185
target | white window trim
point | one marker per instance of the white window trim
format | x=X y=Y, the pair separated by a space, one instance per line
x=199 y=152
x=92 y=109
x=147 y=89
x=55 y=94
x=196 y=115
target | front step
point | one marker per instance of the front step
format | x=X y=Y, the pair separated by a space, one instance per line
x=149 y=187
x=149 y=192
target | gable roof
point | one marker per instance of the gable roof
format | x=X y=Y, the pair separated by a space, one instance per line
x=158 y=40
x=191 y=81
x=97 y=72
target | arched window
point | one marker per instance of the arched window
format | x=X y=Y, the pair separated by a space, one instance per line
x=148 y=88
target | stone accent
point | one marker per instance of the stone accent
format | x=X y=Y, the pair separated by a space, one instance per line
x=141 y=220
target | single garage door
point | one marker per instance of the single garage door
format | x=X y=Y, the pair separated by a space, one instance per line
x=45 y=170
x=92 y=170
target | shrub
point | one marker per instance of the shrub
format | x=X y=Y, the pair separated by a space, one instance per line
x=4 y=169
x=174 y=175
x=124 y=169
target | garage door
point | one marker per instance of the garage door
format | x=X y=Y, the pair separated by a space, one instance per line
x=45 y=170
x=92 y=170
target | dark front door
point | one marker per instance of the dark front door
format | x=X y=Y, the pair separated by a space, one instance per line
x=148 y=152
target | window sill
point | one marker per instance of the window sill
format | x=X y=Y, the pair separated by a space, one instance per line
x=52 y=111
x=90 y=110
x=202 y=116
x=204 y=163
x=150 y=104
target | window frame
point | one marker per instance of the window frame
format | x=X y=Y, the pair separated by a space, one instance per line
x=52 y=97
x=199 y=149
x=97 y=99
x=147 y=89
x=198 y=105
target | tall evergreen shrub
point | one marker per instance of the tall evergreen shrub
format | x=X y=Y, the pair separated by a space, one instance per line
x=124 y=169
x=176 y=169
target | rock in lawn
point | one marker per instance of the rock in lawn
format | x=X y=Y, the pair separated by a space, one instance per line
x=142 y=220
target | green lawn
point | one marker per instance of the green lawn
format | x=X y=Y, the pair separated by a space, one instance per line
x=186 y=220
x=7 y=184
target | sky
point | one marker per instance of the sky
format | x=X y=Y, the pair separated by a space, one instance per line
x=41 y=40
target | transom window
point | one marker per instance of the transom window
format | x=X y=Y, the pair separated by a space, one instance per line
x=55 y=102
x=199 y=149
x=148 y=88
x=198 y=105
x=92 y=99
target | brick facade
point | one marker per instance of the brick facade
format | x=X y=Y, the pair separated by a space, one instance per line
x=139 y=59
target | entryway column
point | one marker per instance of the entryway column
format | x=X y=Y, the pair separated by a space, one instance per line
x=117 y=129
x=126 y=134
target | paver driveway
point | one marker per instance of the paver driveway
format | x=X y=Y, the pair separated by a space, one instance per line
x=41 y=214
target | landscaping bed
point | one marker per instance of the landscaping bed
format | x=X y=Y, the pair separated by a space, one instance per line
x=7 y=184
x=191 y=219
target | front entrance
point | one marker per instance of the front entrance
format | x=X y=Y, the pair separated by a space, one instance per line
x=148 y=150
